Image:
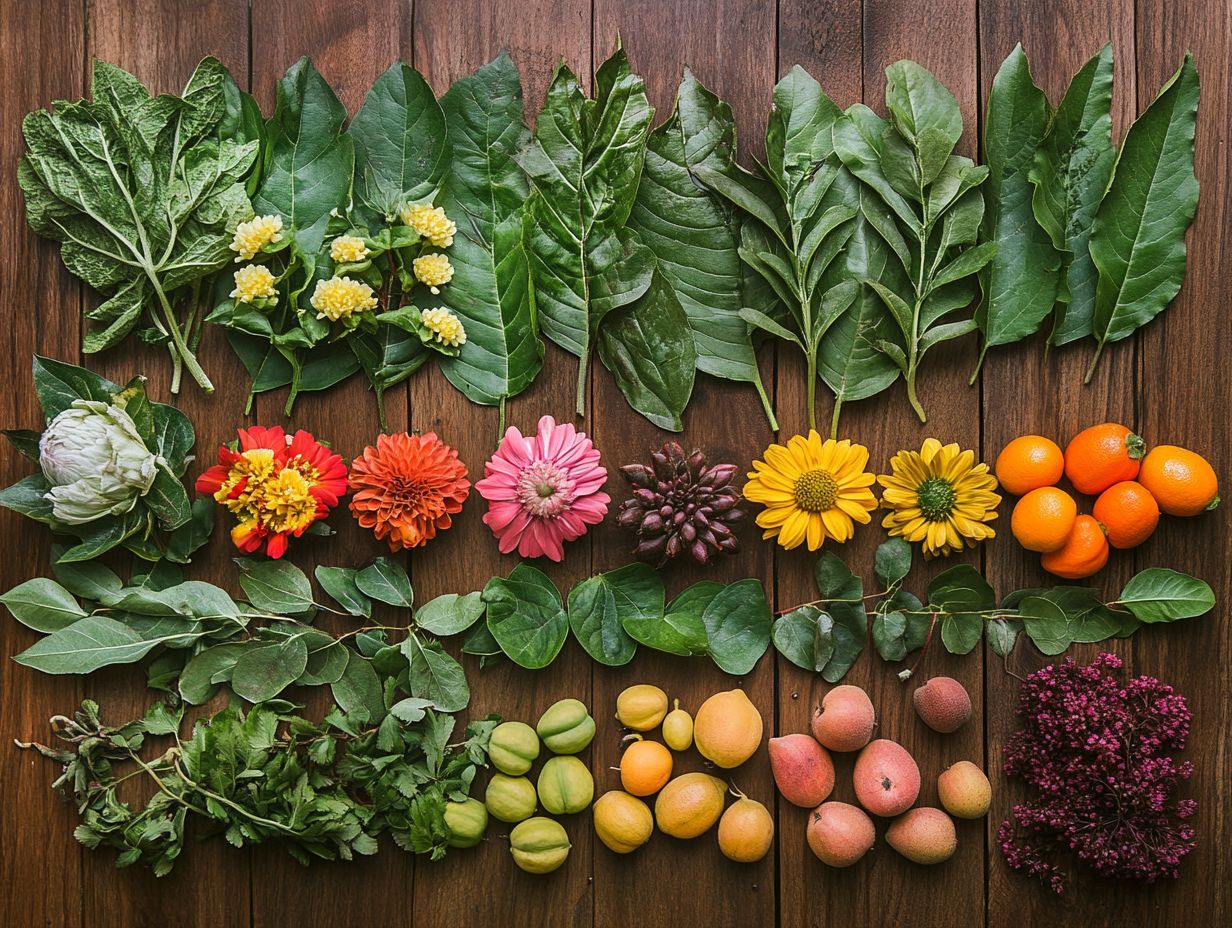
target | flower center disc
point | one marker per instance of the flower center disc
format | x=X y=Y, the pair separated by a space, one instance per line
x=543 y=490
x=936 y=495
x=816 y=491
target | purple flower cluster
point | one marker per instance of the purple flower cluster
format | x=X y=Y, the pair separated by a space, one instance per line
x=1098 y=755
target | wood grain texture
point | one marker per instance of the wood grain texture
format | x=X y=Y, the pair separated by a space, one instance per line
x=41 y=875
x=1169 y=383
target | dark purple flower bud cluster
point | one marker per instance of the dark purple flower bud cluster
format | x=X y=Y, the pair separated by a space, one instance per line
x=1098 y=756
x=681 y=504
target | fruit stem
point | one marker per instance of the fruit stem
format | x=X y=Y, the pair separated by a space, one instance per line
x=907 y=674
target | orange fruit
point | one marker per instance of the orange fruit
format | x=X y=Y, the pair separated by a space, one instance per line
x=645 y=768
x=1028 y=463
x=1102 y=455
x=1182 y=482
x=1043 y=519
x=1128 y=513
x=1085 y=551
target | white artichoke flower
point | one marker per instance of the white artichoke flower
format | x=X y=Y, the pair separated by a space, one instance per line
x=96 y=462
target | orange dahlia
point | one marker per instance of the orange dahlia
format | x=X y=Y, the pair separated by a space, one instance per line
x=407 y=488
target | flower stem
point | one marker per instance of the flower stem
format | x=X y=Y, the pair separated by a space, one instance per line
x=177 y=337
x=812 y=391
x=911 y=396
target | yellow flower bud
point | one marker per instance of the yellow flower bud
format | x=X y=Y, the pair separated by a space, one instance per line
x=254 y=282
x=255 y=234
x=430 y=222
x=339 y=297
x=445 y=326
x=433 y=270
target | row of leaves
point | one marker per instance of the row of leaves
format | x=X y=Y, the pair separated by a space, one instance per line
x=323 y=790
x=261 y=647
x=960 y=608
x=860 y=239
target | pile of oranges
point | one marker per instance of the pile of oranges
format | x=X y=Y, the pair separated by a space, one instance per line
x=1132 y=487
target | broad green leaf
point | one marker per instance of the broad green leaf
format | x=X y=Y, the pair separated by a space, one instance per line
x=1161 y=595
x=275 y=586
x=805 y=636
x=1002 y=635
x=266 y=668
x=401 y=145
x=526 y=617
x=189 y=538
x=436 y=675
x=386 y=582
x=1138 y=240
x=641 y=345
x=679 y=629
x=1070 y=173
x=327 y=659
x=310 y=160
x=450 y=614
x=960 y=595
x=925 y=113
x=196 y=683
x=693 y=237
x=90 y=580
x=899 y=627
x=584 y=165
x=485 y=192
x=1020 y=281
x=43 y=605
x=892 y=561
x=738 y=626
x=799 y=132
x=99 y=641
x=843 y=592
x=59 y=385
x=600 y=606
x=358 y=690
x=339 y=583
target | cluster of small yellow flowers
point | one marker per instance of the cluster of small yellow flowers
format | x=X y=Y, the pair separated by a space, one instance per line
x=255 y=234
x=254 y=282
x=430 y=222
x=433 y=270
x=348 y=249
x=339 y=297
x=445 y=326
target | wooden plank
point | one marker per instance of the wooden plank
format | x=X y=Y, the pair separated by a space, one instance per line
x=350 y=45
x=40 y=863
x=1183 y=396
x=883 y=886
x=1058 y=37
x=213 y=879
x=725 y=420
x=452 y=40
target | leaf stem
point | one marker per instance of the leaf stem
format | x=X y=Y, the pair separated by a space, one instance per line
x=583 y=364
x=978 y=365
x=765 y=400
x=177 y=337
x=838 y=408
x=1099 y=349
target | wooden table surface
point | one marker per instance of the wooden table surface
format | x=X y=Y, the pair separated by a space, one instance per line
x=1169 y=383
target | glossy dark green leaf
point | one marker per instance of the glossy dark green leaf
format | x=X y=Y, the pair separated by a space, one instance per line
x=805 y=636
x=310 y=160
x=961 y=594
x=600 y=606
x=679 y=630
x=892 y=561
x=799 y=131
x=1161 y=595
x=90 y=580
x=737 y=623
x=401 y=144
x=1070 y=173
x=1020 y=281
x=1002 y=635
x=844 y=595
x=653 y=365
x=485 y=192
x=1138 y=240
x=526 y=617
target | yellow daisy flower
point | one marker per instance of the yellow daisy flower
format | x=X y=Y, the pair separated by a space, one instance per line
x=348 y=249
x=939 y=497
x=254 y=282
x=255 y=234
x=339 y=297
x=430 y=222
x=445 y=327
x=433 y=270
x=812 y=490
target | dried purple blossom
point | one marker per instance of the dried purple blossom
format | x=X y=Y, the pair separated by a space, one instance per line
x=1098 y=756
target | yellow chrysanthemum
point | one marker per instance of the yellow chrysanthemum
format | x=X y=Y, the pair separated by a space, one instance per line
x=348 y=249
x=339 y=297
x=940 y=497
x=433 y=270
x=255 y=234
x=254 y=282
x=445 y=326
x=812 y=490
x=430 y=222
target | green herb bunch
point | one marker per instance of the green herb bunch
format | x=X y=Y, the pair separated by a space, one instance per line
x=143 y=193
x=323 y=789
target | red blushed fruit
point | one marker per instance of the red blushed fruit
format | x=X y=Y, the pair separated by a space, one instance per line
x=942 y=704
x=802 y=770
x=886 y=778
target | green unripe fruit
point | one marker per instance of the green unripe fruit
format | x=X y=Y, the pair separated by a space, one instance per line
x=565 y=786
x=539 y=845
x=466 y=821
x=513 y=747
x=566 y=728
x=510 y=799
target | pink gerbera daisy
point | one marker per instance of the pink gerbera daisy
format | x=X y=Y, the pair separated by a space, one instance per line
x=543 y=491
